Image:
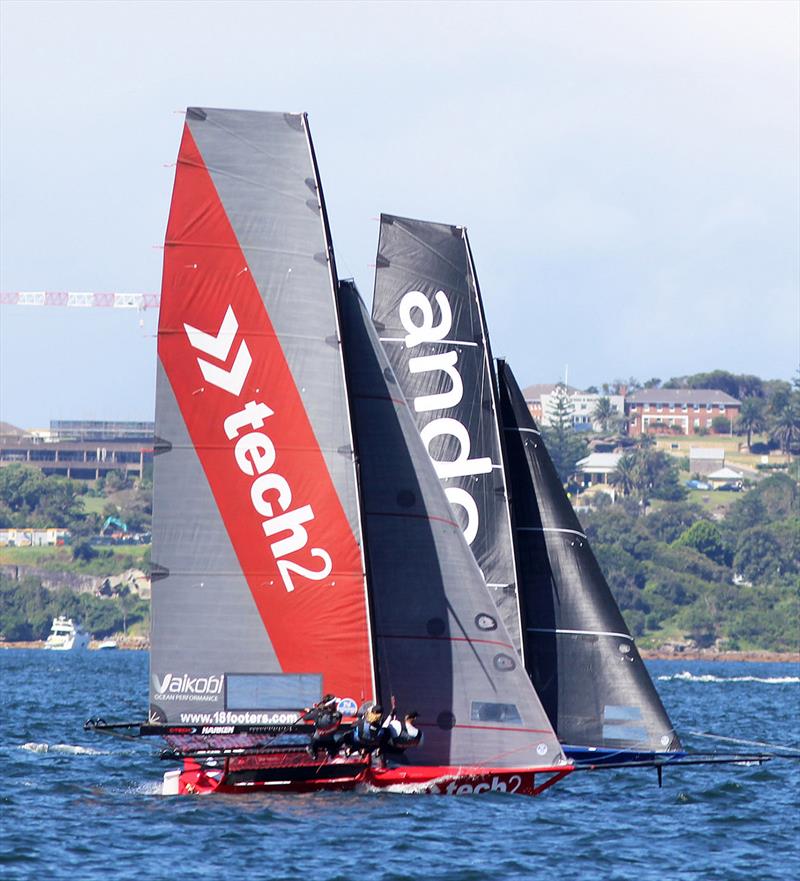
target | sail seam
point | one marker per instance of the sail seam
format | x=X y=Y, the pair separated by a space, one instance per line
x=504 y=645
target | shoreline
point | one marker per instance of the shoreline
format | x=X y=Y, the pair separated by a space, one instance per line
x=662 y=654
x=755 y=656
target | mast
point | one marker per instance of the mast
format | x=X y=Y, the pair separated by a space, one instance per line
x=489 y=362
x=353 y=443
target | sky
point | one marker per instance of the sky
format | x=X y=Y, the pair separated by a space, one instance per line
x=628 y=172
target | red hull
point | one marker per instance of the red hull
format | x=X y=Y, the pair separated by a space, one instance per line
x=298 y=773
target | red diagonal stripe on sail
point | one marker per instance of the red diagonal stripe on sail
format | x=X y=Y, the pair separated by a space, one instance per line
x=321 y=624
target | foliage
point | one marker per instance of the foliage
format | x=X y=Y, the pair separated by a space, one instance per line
x=648 y=474
x=564 y=445
x=603 y=412
x=706 y=538
x=672 y=571
x=751 y=418
x=721 y=425
x=27 y=610
x=28 y=498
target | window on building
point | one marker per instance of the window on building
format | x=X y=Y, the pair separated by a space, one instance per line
x=697 y=423
x=696 y=407
x=709 y=407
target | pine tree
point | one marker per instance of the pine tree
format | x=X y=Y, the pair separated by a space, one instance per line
x=564 y=446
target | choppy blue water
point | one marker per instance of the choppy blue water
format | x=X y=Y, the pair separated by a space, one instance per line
x=86 y=807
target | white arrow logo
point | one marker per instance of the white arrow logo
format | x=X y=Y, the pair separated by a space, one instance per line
x=219 y=347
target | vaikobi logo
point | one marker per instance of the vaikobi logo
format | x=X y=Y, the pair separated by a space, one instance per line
x=182 y=687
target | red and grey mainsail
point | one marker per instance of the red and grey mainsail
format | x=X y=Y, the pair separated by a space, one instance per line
x=581 y=657
x=259 y=599
x=440 y=644
x=429 y=315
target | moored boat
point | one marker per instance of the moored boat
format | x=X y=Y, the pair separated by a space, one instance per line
x=66 y=636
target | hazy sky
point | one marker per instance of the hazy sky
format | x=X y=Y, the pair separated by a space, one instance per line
x=628 y=172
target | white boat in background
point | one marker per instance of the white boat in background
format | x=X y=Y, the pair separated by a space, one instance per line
x=66 y=636
x=106 y=645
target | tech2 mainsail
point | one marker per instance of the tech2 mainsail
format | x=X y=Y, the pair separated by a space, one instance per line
x=259 y=601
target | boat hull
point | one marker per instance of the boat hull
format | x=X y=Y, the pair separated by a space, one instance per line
x=586 y=755
x=276 y=772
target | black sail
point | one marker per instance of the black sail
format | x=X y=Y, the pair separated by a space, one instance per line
x=439 y=645
x=428 y=312
x=580 y=654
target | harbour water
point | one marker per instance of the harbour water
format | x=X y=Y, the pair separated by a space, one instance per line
x=88 y=807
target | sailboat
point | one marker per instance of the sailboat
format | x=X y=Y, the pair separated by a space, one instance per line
x=302 y=542
x=497 y=473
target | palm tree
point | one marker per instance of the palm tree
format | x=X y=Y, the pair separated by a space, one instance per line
x=751 y=418
x=625 y=475
x=603 y=412
x=785 y=426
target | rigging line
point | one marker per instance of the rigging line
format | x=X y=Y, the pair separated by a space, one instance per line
x=711 y=736
x=579 y=632
x=550 y=529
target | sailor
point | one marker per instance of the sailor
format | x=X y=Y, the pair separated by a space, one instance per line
x=367 y=734
x=400 y=736
x=327 y=719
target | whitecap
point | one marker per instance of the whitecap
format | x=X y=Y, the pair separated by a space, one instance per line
x=685 y=676
x=68 y=748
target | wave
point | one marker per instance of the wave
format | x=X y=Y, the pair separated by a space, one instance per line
x=67 y=748
x=685 y=676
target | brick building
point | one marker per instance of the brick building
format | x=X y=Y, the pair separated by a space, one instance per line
x=682 y=411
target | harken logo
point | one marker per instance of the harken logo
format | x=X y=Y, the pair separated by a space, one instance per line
x=219 y=347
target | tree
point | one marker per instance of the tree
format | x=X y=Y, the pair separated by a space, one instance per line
x=648 y=473
x=721 y=425
x=654 y=382
x=784 y=425
x=751 y=418
x=564 y=446
x=706 y=538
x=603 y=412
x=624 y=475
x=758 y=554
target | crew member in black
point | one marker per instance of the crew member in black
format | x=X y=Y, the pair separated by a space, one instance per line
x=327 y=719
x=400 y=736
